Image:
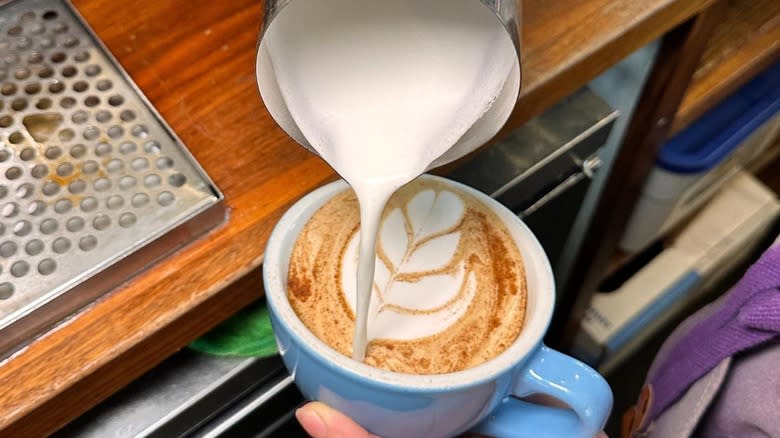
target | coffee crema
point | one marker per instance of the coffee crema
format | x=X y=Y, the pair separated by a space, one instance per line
x=449 y=291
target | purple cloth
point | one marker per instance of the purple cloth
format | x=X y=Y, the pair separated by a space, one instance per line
x=749 y=317
x=748 y=402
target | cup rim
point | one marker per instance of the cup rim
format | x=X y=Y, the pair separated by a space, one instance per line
x=539 y=305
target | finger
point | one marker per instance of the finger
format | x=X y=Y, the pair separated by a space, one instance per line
x=321 y=421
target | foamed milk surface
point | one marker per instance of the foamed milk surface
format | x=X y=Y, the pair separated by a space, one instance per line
x=418 y=240
x=380 y=89
x=449 y=292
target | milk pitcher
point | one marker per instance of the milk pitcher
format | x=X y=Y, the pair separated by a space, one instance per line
x=507 y=16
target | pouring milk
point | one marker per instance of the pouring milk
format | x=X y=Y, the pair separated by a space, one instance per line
x=384 y=90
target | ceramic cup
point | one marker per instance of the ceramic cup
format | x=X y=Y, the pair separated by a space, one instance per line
x=484 y=398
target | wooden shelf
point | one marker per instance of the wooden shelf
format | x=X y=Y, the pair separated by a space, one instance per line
x=196 y=64
x=746 y=42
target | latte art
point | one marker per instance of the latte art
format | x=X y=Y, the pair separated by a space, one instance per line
x=422 y=283
x=449 y=291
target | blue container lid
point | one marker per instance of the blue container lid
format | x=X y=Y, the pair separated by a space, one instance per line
x=713 y=137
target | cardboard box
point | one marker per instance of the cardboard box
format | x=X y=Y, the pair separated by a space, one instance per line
x=724 y=232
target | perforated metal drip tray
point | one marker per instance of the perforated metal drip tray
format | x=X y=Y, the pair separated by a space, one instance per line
x=94 y=186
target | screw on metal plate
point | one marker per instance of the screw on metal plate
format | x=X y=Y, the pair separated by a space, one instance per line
x=90 y=174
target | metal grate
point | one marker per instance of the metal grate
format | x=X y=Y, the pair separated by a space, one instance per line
x=89 y=172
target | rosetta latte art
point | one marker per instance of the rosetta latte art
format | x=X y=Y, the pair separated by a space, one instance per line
x=449 y=290
x=422 y=283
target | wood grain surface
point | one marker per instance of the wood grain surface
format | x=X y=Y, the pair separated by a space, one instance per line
x=745 y=41
x=195 y=61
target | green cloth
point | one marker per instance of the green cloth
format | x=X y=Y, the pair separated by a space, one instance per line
x=246 y=334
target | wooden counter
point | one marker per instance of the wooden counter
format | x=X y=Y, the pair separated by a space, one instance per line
x=195 y=61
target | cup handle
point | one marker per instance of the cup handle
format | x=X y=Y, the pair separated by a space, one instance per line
x=567 y=379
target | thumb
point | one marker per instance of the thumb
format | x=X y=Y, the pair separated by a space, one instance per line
x=321 y=421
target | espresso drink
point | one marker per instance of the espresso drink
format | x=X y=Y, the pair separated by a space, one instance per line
x=449 y=291
x=382 y=89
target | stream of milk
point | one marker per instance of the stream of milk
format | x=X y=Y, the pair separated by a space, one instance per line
x=381 y=89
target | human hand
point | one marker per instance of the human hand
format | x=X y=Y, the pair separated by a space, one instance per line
x=321 y=421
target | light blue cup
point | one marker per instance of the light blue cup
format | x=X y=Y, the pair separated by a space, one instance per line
x=482 y=399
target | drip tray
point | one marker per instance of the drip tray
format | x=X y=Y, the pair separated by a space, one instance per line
x=94 y=186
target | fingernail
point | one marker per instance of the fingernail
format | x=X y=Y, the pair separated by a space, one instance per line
x=312 y=422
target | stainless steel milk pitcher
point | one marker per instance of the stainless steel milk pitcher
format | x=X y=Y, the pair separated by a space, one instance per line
x=508 y=15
